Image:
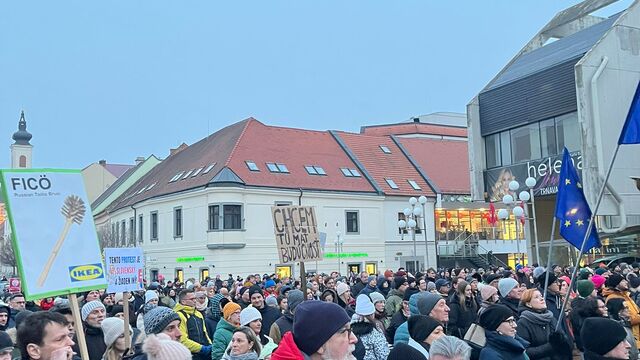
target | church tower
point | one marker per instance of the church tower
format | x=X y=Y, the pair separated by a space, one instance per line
x=21 y=149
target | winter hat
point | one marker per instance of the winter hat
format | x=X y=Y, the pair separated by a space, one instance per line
x=364 y=306
x=592 y=330
x=214 y=305
x=315 y=323
x=600 y=271
x=614 y=280
x=6 y=344
x=598 y=281
x=269 y=283
x=427 y=301
x=634 y=280
x=565 y=279
x=61 y=302
x=421 y=326
x=403 y=351
x=585 y=288
x=398 y=281
x=150 y=295
x=211 y=284
x=408 y=293
x=255 y=289
x=506 y=285
x=161 y=347
x=440 y=283
x=158 y=318
x=495 y=315
x=112 y=328
x=271 y=300
x=248 y=315
x=538 y=271
x=89 y=307
x=487 y=291
x=4 y=309
x=294 y=298
x=489 y=278
x=375 y=297
x=115 y=310
x=229 y=309
x=342 y=288
x=431 y=286
x=542 y=279
x=371 y=278
x=388 y=273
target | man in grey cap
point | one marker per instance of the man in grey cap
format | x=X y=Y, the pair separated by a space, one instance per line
x=426 y=303
x=285 y=323
x=158 y=320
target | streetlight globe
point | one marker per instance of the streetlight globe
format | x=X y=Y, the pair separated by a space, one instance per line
x=411 y=224
x=530 y=182
x=518 y=211
x=402 y=224
x=524 y=196
x=514 y=185
x=422 y=199
x=503 y=214
x=417 y=211
x=406 y=211
x=413 y=200
x=507 y=199
x=338 y=234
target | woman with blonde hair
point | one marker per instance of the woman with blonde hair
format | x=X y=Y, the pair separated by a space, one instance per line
x=113 y=332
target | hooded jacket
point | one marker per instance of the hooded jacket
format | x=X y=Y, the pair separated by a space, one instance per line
x=287 y=349
x=192 y=327
x=9 y=319
x=394 y=302
x=634 y=310
x=221 y=338
x=402 y=333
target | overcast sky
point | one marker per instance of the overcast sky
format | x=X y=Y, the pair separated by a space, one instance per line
x=120 y=79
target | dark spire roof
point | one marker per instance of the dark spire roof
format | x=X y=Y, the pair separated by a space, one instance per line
x=22 y=136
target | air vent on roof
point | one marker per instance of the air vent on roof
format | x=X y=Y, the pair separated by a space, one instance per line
x=385 y=149
x=208 y=168
x=252 y=166
x=350 y=172
x=176 y=176
x=392 y=184
x=414 y=185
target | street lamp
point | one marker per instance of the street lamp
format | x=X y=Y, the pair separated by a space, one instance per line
x=338 y=242
x=412 y=214
x=519 y=212
x=423 y=201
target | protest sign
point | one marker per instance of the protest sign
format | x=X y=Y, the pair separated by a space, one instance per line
x=14 y=285
x=54 y=237
x=125 y=269
x=296 y=231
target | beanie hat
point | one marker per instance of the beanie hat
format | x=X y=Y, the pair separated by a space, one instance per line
x=495 y=315
x=61 y=302
x=248 y=315
x=255 y=289
x=634 y=280
x=542 y=279
x=342 y=288
x=211 y=284
x=402 y=351
x=6 y=344
x=506 y=285
x=158 y=318
x=614 y=280
x=487 y=291
x=112 y=328
x=229 y=309
x=600 y=271
x=398 y=281
x=315 y=323
x=364 y=306
x=161 y=347
x=440 y=283
x=271 y=300
x=598 y=281
x=408 y=293
x=375 y=297
x=294 y=298
x=585 y=288
x=89 y=307
x=150 y=295
x=115 y=310
x=489 y=278
x=537 y=272
x=592 y=330
x=4 y=309
x=565 y=278
x=421 y=326
x=269 y=283
x=427 y=301
x=431 y=286
x=242 y=290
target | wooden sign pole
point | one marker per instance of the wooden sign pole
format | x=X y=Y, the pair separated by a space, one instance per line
x=303 y=280
x=127 y=334
x=77 y=319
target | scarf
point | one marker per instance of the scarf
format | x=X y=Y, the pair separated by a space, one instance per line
x=202 y=307
x=251 y=355
x=538 y=318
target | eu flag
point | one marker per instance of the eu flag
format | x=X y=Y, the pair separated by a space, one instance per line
x=631 y=130
x=572 y=210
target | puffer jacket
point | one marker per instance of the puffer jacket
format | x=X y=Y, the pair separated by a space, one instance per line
x=394 y=302
x=287 y=349
x=282 y=326
x=221 y=338
x=501 y=347
x=634 y=310
x=374 y=343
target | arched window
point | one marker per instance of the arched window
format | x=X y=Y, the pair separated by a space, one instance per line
x=22 y=162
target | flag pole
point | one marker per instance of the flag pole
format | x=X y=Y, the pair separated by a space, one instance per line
x=587 y=234
x=553 y=235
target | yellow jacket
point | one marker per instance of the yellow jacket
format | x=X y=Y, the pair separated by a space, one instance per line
x=634 y=310
x=190 y=311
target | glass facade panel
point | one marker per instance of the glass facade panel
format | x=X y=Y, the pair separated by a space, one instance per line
x=525 y=143
x=472 y=225
x=569 y=132
x=492 y=148
x=548 y=138
x=505 y=148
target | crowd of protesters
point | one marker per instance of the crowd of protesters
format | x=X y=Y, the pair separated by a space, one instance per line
x=495 y=313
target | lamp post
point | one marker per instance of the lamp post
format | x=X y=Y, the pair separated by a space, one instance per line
x=411 y=214
x=423 y=200
x=518 y=211
x=338 y=242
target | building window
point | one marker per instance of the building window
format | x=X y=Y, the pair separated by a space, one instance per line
x=179 y=275
x=283 y=203
x=315 y=170
x=385 y=149
x=492 y=150
x=392 y=184
x=525 y=143
x=177 y=222
x=230 y=217
x=154 y=275
x=350 y=172
x=176 y=176
x=568 y=132
x=208 y=168
x=252 y=166
x=505 y=148
x=140 y=232
x=353 y=223
x=154 y=226
x=414 y=185
x=22 y=162
x=371 y=268
x=548 y=144
x=405 y=230
x=186 y=175
x=123 y=232
x=132 y=231
x=277 y=168
x=117 y=234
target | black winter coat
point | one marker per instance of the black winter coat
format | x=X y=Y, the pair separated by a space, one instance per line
x=460 y=318
x=95 y=342
x=512 y=304
x=544 y=342
x=269 y=316
x=396 y=320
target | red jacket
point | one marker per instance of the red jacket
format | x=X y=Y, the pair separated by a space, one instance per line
x=287 y=349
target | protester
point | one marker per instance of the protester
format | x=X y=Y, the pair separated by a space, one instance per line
x=224 y=331
x=489 y=295
x=17 y=304
x=284 y=324
x=617 y=288
x=449 y=348
x=613 y=345
x=423 y=331
x=213 y=313
x=510 y=293
x=113 y=330
x=344 y=298
x=400 y=318
x=502 y=342
x=6 y=346
x=372 y=344
x=251 y=317
x=618 y=311
x=269 y=314
x=381 y=319
x=5 y=315
x=45 y=335
x=394 y=299
x=244 y=345
x=463 y=310
x=161 y=347
x=92 y=314
x=194 y=332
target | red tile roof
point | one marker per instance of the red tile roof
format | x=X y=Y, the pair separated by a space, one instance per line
x=414 y=128
x=381 y=166
x=446 y=162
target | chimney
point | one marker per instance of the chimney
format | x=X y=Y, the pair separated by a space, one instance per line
x=102 y=162
x=139 y=160
x=416 y=119
x=178 y=149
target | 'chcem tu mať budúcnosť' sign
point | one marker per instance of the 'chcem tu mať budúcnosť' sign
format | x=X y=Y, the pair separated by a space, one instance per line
x=296 y=230
x=125 y=269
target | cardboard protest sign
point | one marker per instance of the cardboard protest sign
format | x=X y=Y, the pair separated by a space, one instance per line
x=54 y=237
x=296 y=230
x=125 y=269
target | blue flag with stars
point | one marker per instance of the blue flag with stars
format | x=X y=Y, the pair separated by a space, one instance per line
x=572 y=209
x=631 y=130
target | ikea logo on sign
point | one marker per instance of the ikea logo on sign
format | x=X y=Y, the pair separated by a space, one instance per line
x=86 y=272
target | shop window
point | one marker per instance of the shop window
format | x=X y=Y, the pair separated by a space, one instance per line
x=354 y=268
x=154 y=275
x=204 y=273
x=511 y=259
x=283 y=271
x=371 y=268
x=179 y=274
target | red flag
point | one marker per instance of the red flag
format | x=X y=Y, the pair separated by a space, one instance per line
x=493 y=219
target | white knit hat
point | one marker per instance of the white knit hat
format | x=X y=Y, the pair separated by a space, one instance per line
x=364 y=306
x=150 y=295
x=248 y=315
x=113 y=328
x=161 y=347
x=342 y=288
x=89 y=307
